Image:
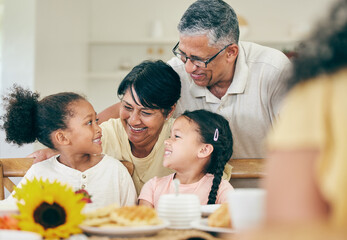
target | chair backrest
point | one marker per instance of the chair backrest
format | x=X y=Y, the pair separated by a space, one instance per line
x=247 y=168
x=12 y=167
x=247 y=173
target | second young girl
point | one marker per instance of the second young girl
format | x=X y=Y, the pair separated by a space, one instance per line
x=198 y=149
x=67 y=123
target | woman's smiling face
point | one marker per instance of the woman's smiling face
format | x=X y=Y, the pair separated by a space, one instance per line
x=142 y=125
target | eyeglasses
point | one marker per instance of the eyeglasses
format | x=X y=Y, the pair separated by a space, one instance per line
x=196 y=62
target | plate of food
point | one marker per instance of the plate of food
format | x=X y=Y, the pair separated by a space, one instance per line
x=16 y=234
x=202 y=225
x=217 y=222
x=207 y=210
x=128 y=221
x=122 y=231
x=8 y=208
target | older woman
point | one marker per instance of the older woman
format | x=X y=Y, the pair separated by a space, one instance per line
x=148 y=96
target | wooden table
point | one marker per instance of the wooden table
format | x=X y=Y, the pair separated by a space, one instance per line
x=173 y=234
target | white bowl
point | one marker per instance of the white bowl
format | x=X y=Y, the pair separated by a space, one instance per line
x=8 y=208
x=180 y=210
x=177 y=216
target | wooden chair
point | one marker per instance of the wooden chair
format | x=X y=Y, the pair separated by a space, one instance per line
x=12 y=167
x=247 y=172
x=247 y=168
x=17 y=167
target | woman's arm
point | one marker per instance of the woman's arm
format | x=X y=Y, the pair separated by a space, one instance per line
x=42 y=154
x=110 y=112
x=293 y=193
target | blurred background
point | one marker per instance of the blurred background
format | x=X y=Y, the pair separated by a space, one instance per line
x=88 y=46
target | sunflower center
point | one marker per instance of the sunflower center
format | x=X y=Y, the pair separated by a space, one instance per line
x=50 y=216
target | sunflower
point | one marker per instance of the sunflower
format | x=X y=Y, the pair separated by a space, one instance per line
x=50 y=209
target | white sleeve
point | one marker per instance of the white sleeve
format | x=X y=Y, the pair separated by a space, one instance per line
x=127 y=191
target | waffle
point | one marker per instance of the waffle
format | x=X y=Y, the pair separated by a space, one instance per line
x=220 y=217
x=115 y=216
x=100 y=216
x=97 y=221
x=135 y=216
x=102 y=212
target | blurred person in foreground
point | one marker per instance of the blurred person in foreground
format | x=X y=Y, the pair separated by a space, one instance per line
x=307 y=161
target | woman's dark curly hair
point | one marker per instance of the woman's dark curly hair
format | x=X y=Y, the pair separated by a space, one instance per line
x=325 y=51
x=27 y=119
x=214 y=129
x=156 y=84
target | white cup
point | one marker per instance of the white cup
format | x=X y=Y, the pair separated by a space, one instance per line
x=246 y=207
x=180 y=210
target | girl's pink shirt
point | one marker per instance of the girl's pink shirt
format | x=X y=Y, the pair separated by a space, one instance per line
x=156 y=187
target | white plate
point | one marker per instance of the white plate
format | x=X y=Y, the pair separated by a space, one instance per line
x=8 y=208
x=206 y=210
x=135 y=231
x=202 y=225
x=16 y=235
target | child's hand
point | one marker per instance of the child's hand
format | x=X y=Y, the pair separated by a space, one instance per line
x=42 y=154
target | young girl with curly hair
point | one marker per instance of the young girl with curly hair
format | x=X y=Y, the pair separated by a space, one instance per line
x=67 y=123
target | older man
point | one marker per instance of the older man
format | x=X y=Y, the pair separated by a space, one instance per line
x=243 y=81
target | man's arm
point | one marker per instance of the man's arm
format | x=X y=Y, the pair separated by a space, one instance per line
x=110 y=112
x=280 y=88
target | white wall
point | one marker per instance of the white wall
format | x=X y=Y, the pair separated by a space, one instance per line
x=62 y=37
x=269 y=20
x=18 y=57
x=45 y=48
x=279 y=20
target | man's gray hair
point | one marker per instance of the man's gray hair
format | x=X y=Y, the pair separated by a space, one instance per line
x=214 y=18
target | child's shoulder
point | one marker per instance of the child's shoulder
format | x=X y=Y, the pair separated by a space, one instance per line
x=43 y=167
x=114 y=164
x=111 y=161
x=45 y=163
x=160 y=180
